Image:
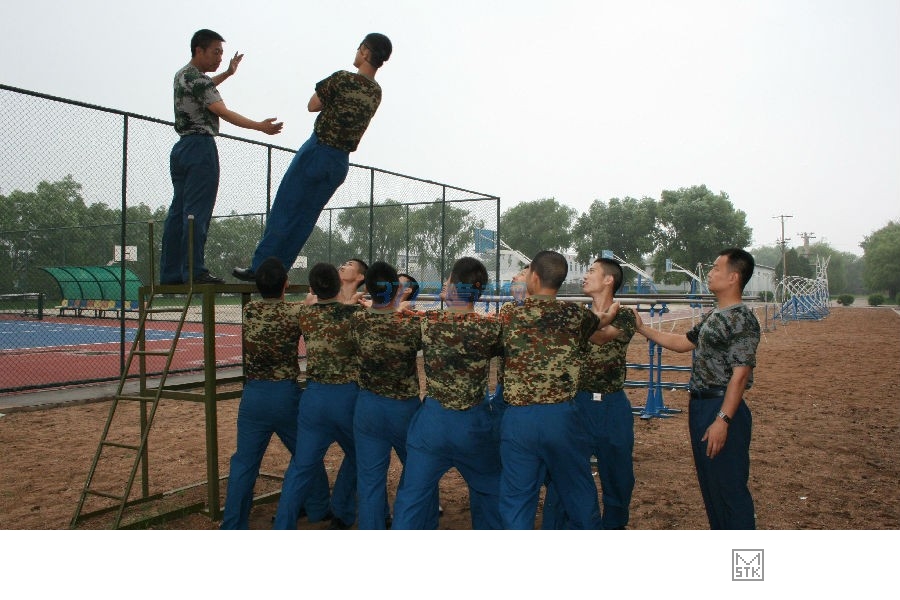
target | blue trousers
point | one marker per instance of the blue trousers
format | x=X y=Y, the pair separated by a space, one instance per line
x=325 y=417
x=313 y=176
x=266 y=407
x=379 y=424
x=194 y=166
x=723 y=479
x=439 y=439
x=610 y=425
x=540 y=442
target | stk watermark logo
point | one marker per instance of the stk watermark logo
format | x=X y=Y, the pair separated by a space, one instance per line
x=747 y=565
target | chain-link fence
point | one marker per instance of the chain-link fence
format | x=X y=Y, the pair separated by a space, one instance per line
x=80 y=184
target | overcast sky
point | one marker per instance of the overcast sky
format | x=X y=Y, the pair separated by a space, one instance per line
x=791 y=107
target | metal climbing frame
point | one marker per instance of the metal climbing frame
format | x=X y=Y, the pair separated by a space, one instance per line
x=804 y=298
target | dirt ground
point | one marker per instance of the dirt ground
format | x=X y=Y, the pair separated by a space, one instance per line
x=824 y=454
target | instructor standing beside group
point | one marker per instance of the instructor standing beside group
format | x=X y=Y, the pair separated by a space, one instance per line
x=724 y=347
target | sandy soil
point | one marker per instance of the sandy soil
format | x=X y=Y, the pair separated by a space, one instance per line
x=824 y=454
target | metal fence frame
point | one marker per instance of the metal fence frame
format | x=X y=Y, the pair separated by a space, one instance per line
x=376 y=178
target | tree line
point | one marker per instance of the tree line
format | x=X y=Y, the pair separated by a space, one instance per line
x=54 y=225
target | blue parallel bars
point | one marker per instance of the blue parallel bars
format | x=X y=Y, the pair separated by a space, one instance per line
x=655 y=406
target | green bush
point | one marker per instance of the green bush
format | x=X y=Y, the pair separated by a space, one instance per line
x=770 y=296
x=897 y=299
x=846 y=299
x=876 y=300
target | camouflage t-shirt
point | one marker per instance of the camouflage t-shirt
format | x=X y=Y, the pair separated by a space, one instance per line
x=386 y=344
x=457 y=347
x=271 y=334
x=194 y=91
x=725 y=339
x=543 y=341
x=330 y=353
x=603 y=369
x=349 y=102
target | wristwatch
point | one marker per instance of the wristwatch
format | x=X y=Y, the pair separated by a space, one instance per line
x=724 y=417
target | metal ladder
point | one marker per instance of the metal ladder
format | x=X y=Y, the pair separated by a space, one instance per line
x=145 y=396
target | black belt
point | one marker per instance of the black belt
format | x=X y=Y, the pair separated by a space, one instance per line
x=708 y=393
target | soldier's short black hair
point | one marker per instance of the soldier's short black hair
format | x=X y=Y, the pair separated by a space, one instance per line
x=363 y=267
x=271 y=277
x=324 y=280
x=380 y=47
x=612 y=267
x=413 y=284
x=470 y=277
x=203 y=38
x=551 y=268
x=741 y=262
x=381 y=283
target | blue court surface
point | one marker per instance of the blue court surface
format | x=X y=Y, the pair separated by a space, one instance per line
x=29 y=335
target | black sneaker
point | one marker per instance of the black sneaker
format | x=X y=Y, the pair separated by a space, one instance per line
x=207 y=277
x=244 y=274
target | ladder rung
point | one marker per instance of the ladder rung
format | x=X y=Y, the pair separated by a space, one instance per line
x=152 y=352
x=137 y=398
x=118 y=445
x=105 y=495
x=174 y=309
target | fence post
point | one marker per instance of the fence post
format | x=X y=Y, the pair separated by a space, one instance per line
x=122 y=243
x=371 y=213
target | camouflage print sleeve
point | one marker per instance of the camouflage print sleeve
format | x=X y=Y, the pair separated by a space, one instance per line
x=324 y=88
x=589 y=324
x=626 y=323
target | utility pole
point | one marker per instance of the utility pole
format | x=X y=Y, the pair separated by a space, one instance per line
x=806 y=237
x=783 y=242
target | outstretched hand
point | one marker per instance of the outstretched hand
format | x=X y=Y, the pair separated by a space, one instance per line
x=233 y=63
x=638 y=321
x=271 y=126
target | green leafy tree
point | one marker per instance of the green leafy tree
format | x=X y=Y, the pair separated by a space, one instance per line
x=797 y=266
x=855 y=269
x=882 y=259
x=35 y=231
x=137 y=231
x=386 y=229
x=232 y=241
x=441 y=230
x=769 y=256
x=530 y=227
x=624 y=226
x=693 y=225
x=838 y=266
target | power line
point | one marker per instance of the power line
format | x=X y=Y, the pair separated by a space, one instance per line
x=783 y=242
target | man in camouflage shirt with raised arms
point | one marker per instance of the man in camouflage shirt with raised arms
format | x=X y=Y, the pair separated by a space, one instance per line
x=454 y=427
x=329 y=402
x=541 y=435
x=605 y=409
x=270 y=398
x=386 y=344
